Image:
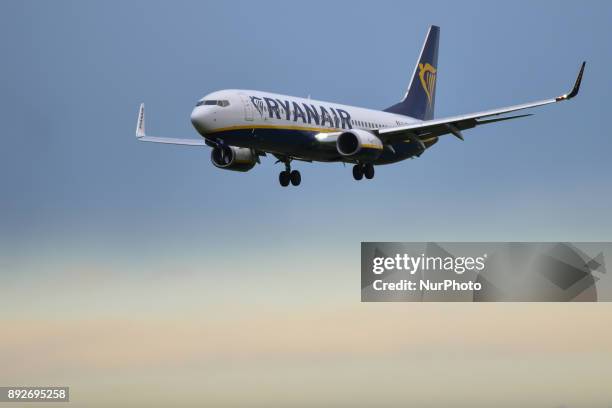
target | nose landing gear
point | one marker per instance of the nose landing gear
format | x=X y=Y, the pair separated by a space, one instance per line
x=360 y=170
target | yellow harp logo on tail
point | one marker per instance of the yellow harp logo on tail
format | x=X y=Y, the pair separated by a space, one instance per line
x=427 y=75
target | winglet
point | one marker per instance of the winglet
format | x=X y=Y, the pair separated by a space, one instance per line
x=576 y=87
x=140 y=125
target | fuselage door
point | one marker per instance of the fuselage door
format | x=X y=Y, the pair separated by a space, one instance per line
x=248 y=107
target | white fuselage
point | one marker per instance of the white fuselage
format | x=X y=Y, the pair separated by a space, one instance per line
x=285 y=125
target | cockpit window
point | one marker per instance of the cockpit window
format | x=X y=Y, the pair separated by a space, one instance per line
x=222 y=103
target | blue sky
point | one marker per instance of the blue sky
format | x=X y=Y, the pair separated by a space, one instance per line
x=74 y=74
x=85 y=206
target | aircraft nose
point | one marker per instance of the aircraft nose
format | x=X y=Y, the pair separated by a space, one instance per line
x=199 y=118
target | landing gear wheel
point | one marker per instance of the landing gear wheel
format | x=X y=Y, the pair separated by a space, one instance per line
x=283 y=178
x=357 y=172
x=296 y=178
x=368 y=171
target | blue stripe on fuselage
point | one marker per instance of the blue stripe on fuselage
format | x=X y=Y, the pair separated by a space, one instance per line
x=303 y=144
x=291 y=142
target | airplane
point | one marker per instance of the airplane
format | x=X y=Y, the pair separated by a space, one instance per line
x=243 y=125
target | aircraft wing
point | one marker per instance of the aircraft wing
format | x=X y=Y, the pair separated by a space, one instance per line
x=140 y=134
x=455 y=124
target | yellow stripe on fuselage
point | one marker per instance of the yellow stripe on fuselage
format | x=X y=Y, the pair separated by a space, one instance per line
x=305 y=128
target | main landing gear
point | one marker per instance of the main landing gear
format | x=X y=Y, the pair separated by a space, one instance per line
x=360 y=170
x=288 y=176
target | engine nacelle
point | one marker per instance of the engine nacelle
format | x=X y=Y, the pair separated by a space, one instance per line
x=233 y=158
x=359 y=144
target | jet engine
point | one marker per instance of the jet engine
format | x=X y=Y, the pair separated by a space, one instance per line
x=233 y=158
x=360 y=145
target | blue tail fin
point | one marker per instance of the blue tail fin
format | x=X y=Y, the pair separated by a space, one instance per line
x=419 y=100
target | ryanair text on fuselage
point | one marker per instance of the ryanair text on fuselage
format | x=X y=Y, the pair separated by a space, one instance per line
x=292 y=111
